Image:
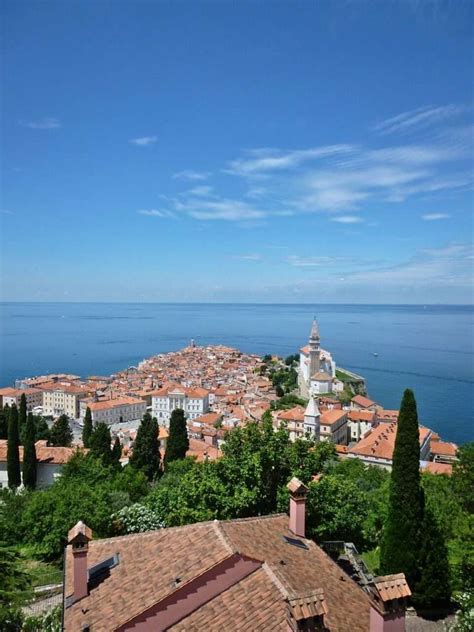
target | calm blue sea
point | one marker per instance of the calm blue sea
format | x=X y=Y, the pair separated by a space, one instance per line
x=429 y=349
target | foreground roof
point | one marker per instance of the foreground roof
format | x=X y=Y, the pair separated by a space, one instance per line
x=157 y=567
x=44 y=453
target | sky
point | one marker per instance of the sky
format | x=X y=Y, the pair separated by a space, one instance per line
x=295 y=152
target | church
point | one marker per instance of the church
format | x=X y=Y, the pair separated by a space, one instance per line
x=317 y=369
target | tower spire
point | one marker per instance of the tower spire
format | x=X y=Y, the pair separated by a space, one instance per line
x=314 y=330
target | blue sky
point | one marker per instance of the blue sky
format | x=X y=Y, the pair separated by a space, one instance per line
x=255 y=152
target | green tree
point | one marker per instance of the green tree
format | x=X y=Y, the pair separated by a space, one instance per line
x=13 y=452
x=22 y=413
x=178 y=443
x=116 y=452
x=433 y=586
x=29 y=454
x=61 y=433
x=401 y=537
x=336 y=510
x=87 y=429
x=463 y=476
x=42 y=431
x=4 y=421
x=146 y=448
x=14 y=589
x=100 y=443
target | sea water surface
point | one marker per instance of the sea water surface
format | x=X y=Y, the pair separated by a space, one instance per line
x=429 y=349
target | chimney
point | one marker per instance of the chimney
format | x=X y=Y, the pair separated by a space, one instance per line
x=298 y=493
x=79 y=537
x=306 y=611
x=389 y=601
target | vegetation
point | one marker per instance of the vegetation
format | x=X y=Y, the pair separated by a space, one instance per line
x=87 y=428
x=288 y=401
x=146 y=450
x=61 y=433
x=13 y=452
x=14 y=588
x=402 y=537
x=178 y=443
x=22 y=414
x=29 y=454
x=4 y=421
x=350 y=501
x=100 y=443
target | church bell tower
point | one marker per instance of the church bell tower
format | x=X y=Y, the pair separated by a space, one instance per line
x=314 y=349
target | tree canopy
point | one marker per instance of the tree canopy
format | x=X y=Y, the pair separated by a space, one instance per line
x=177 y=443
x=61 y=433
x=13 y=452
x=146 y=448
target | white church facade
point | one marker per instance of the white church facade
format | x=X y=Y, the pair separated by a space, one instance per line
x=317 y=369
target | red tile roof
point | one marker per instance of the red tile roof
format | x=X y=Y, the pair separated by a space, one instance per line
x=150 y=564
x=362 y=401
x=44 y=453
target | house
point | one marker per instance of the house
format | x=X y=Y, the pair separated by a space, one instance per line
x=359 y=402
x=359 y=422
x=333 y=426
x=242 y=575
x=443 y=452
x=377 y=446
x=63 y=398
x=50 y=460
x=114 y=411
x=10 y=396
x=294 y=420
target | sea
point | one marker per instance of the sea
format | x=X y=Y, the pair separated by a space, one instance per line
x=429 y=349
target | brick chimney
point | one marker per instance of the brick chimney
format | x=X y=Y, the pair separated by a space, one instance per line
x=79 y=537
x=389 y=601
x=298 y=493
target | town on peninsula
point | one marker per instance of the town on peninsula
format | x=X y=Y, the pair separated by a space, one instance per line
x=156 y=498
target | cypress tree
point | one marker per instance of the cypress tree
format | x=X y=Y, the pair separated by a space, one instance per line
x=13 y=452
x=401 y=538
x=87 y=429
x=29 y=454
x=99 y=443
x=61 y=433
x=433 y=586
x=4 y=421
x=146 y=449
x=22 y=418
x=116 y=452
x=178 y=442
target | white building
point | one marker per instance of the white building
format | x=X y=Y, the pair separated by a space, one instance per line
x=50 y=461
x=317 y=369
x=194 y=402
x=62 y=398
x=334 y=426
x=114 y=411
x=359 y=423
x=10 y=396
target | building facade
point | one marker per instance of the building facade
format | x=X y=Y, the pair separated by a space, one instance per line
x=194 y=402
x=114 y=411
x=50 y=460
x=62 y=399
x=10 y=396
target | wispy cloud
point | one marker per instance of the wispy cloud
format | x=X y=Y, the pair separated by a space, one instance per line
x=143 y=141
x=43 y=124
x=5 y=212
x=251 y=257
x=265 y=160
x=153 y=212
x=347 y=219
x=202 y=190
x=418 y=118
x=310 y=262
x=220 y=209
x=189 y=174
x=431 y=217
